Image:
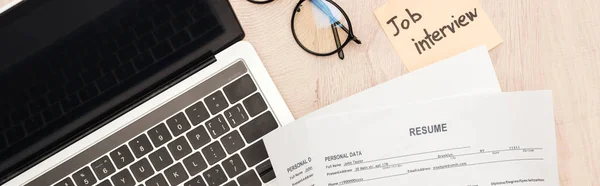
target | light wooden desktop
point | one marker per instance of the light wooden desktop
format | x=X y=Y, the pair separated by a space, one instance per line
x=548 y=44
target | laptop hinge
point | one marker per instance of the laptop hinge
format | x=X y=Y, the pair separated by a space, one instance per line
x=206 y=59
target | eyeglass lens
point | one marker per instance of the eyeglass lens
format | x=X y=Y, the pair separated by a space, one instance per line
x=318 y=26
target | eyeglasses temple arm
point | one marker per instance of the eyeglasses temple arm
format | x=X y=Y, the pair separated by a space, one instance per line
x=323 y=7
x=354 y=38
x=338 y=44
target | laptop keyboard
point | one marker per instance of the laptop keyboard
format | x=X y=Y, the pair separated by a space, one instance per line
x=211 y=142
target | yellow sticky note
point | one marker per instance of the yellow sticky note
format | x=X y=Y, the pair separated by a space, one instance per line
x=426 y=31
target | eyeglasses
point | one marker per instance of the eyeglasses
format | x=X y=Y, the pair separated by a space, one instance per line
x=320 y=27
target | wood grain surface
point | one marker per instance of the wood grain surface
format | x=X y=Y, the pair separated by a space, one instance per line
x=548 y=44
x=4 y=2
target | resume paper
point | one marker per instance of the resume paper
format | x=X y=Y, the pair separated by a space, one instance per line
x=485 y=139
x=466 y=73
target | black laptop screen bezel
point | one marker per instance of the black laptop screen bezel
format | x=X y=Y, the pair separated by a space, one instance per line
x=179 y=70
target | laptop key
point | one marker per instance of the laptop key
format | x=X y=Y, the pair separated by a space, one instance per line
x=197 y=181
x=215 y=176
x=255 y=153
x=123 y=178
x=141 y=169
x=258 y=127
x=216 y=102
x=231 y=183
x=217 y=126
x=140 y=146
x=240 y=88
x=176 y=174
x=160 y=159
x=84 y=177
x=213 y=153
x=159 y=135
x=233 y=166
x=65 y=182
x=178 y=124
x=105 y=183
x=249 y=179
x=197 y=113
x=103 y=167
x=265 y=171
x=255 y=104
x=232 y=142
x=121 y=156
x=198 y=137
x=195 y=163
x=158 y=180
x=179 y=148
x=236 y=115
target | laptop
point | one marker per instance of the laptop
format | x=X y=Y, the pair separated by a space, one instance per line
x=133 y=92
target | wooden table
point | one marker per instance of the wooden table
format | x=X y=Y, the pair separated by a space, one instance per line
x=548 y=44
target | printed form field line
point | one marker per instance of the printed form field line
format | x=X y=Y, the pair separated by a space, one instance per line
x=467 y=165
x=429 y=159
x=492 y=151
x=407 y=155
x=458 y=155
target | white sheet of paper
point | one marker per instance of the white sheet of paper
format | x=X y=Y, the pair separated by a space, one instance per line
x=466 y=73
x=485 y=139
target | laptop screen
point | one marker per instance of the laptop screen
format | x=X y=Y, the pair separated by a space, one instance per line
x=69 y=66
